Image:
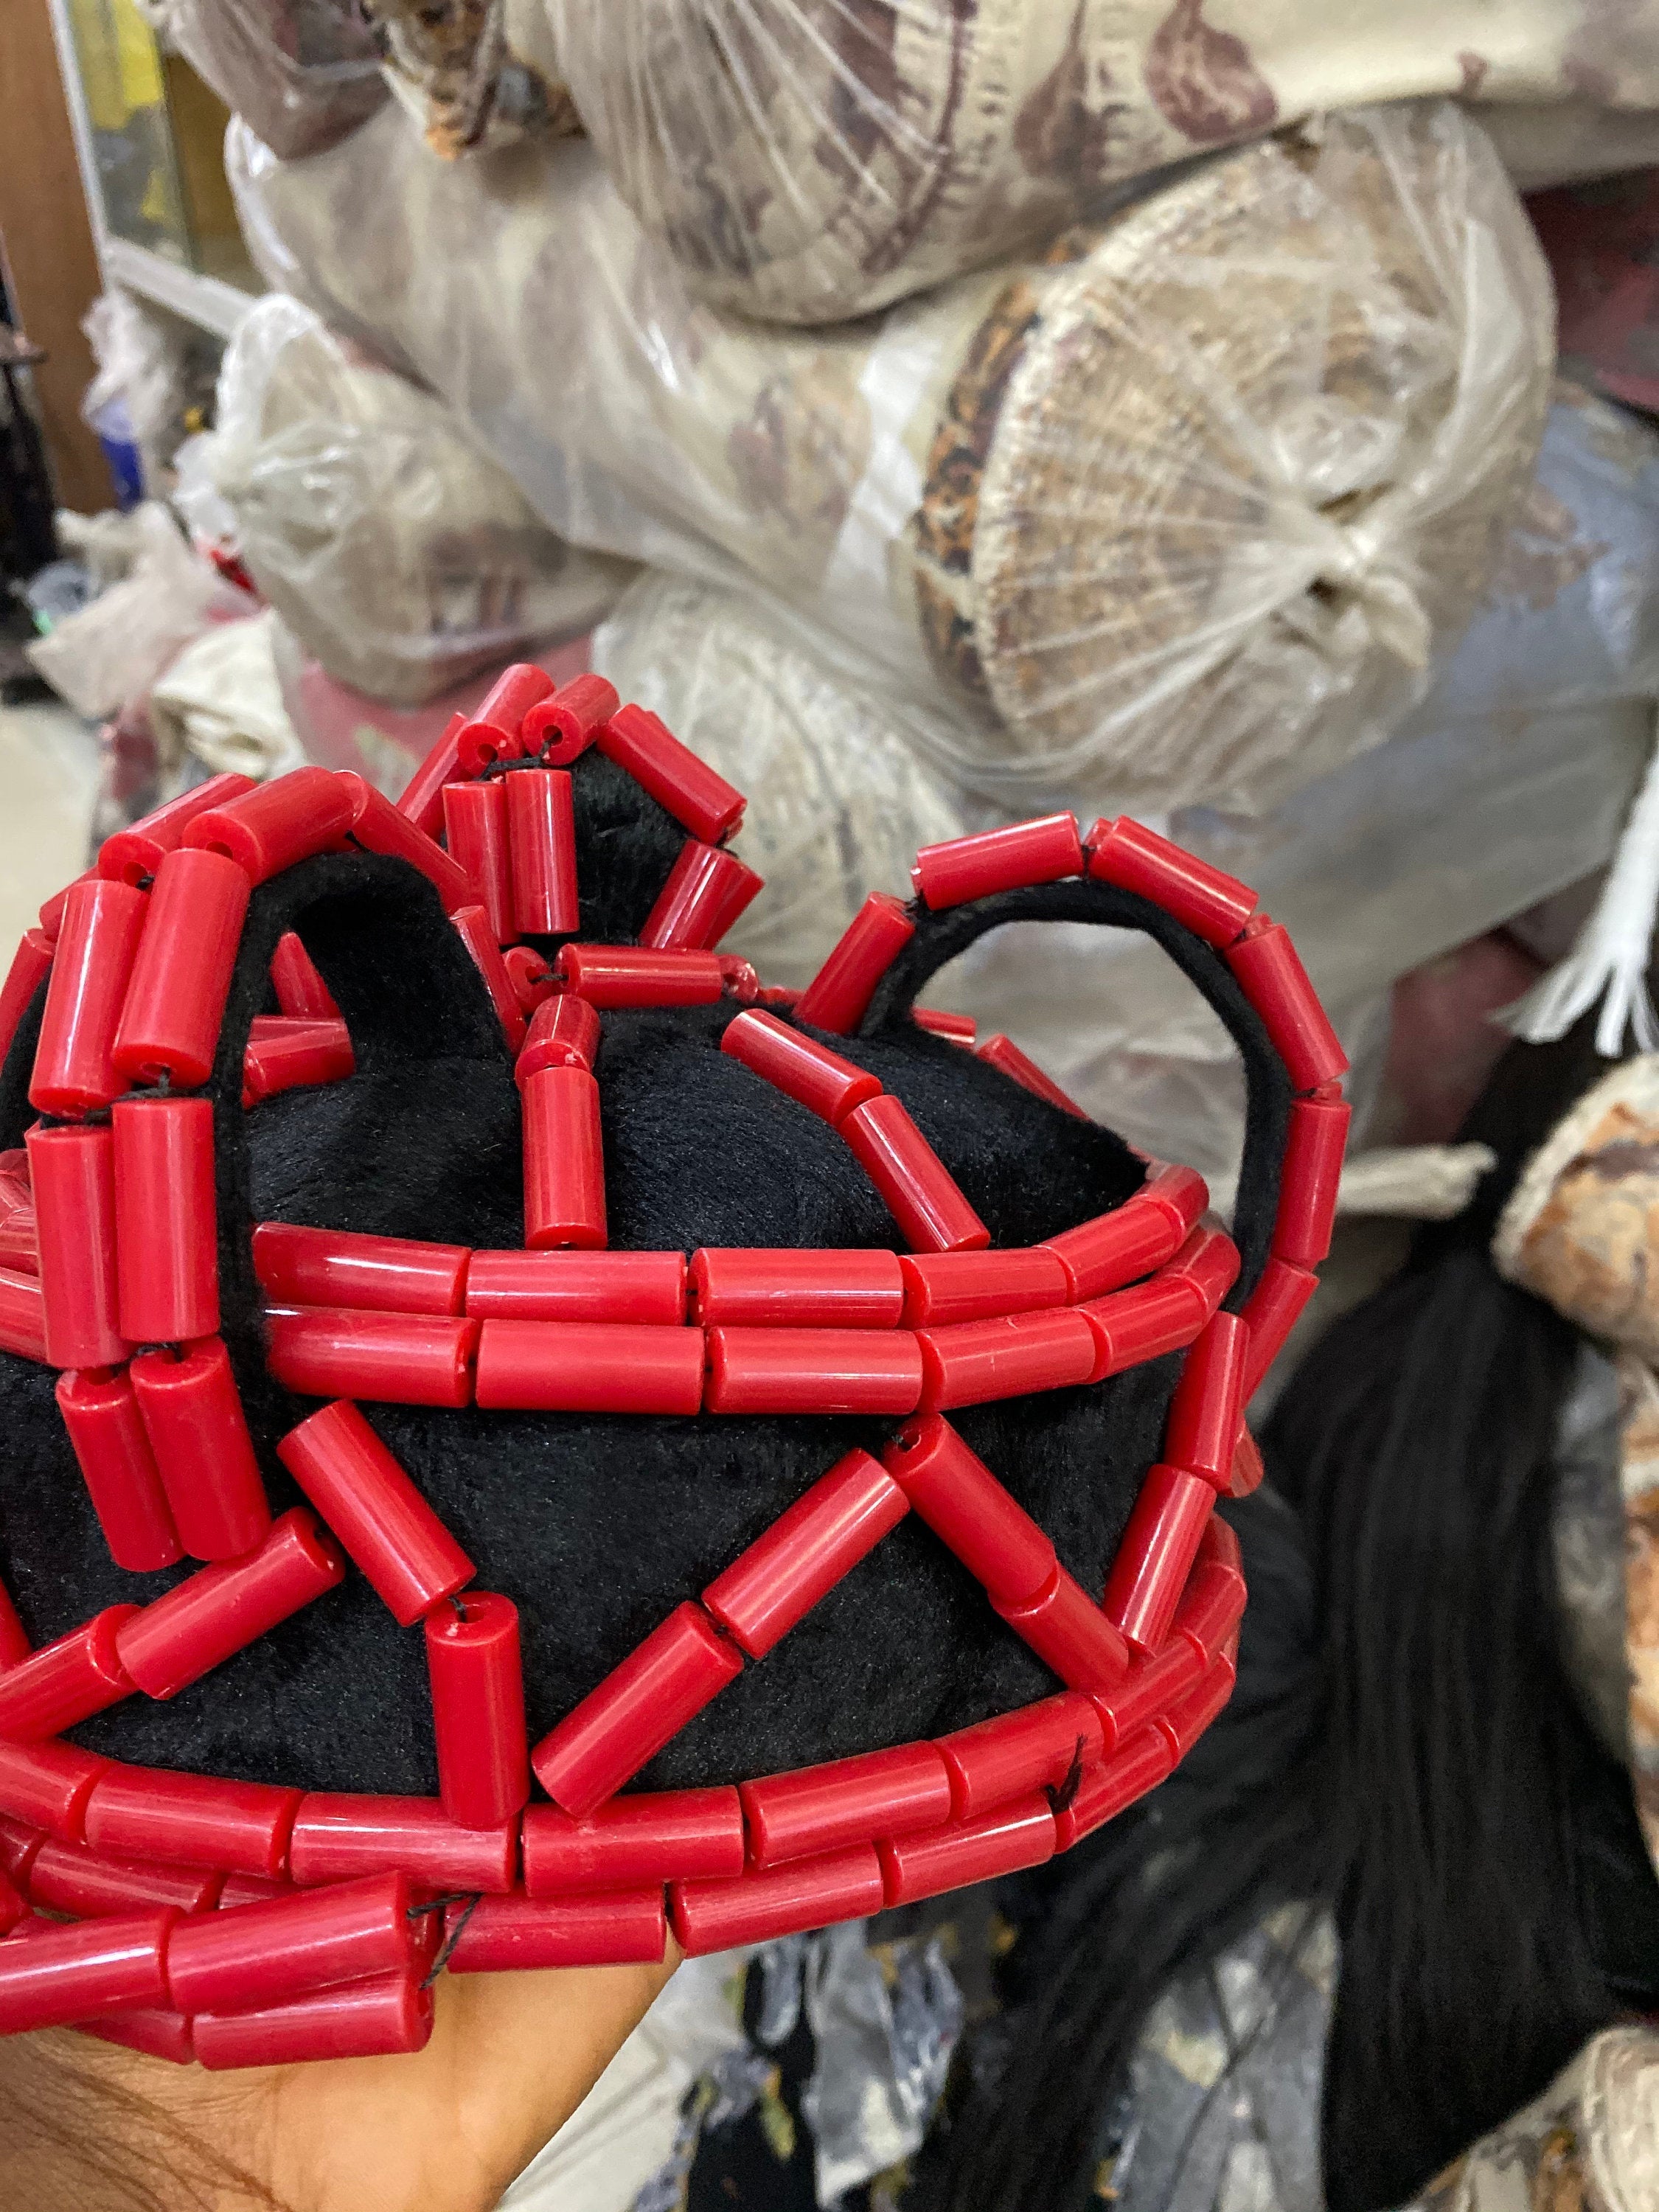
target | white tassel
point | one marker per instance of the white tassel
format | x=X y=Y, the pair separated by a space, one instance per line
x=1609 y=957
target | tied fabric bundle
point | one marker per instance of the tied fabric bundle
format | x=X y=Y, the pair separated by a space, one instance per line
x=838 y=1415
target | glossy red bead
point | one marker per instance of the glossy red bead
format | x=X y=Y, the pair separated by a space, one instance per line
x=12 y=1906
x=620 y=1726
x=976 y=1361
x=782 y=1900
x=647 y=1288
x=806 y=1551
x=278 y=823
x=107 y=1437
x=1156 y=1555
x=376 y=826
x=477 y=1674
x=474 y=823
x=561 y=728
x=791 y=1288
x=338 y=1267
x=970 y=1512
x=175 y=1000
x=1112 y=1787
x=283 y=1054
x=218 y=1611
x=1151 y=1685
x=193 y=1418
x=1040 y=852
x=1212 y=904
x=541 y=829
x=30 y=964
x=1181 y=1193
x=422 y=796
x=66 y=1974
x=1186 y=1720
x=267 y=1955
x=69 y=1878
x=657 y=1836
x=14 y=1640
x=707 y=890
x=19 y=1849
x=386 y=1525
x=495 y=729
x=395 y=1358
x=564 y=1032
x=532 y=979
x=75 y=1068
x=1272 y=1309
x=589 y=1367
x=1014 y=1754
x=955 y=1029
x=1134 y=1325
x=477 y=932
x=915 y=1184
x=1115 y=1248
x=1005 y=1056
x=133 y=855
x=158 y=2035
x=812 y=1370
x=509 y=1934
x=1271 y=974
x=65 y=1682
x=634 y=975
x=564 y=1161
x=744 y=985
x=301 y=993
x=51 y=911
x=685 y=785
x=1309 y=1176
x=47 y=1785
x=1014 y=1836
x=342 y=1836
x=22 y=1317
x=1209 y=1260
x=1070 y=1633
x=1247 y=1469
x=250 y=1889
x=815 y=1810
x=1202 y=1429
x=812 y=1075
x=166 y=1219
x=190 y=1819
x=942 y=1289
x=839 y=996
x=73 y=1175
x=1211 y=1607
x=388 y=2015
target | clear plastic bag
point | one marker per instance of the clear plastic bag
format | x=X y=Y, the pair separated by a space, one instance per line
x=473 y=73
x=399 y=554
x=1183 y=511
x=304 y=72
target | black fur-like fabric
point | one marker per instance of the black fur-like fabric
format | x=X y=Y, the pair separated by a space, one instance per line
x=598 y=1525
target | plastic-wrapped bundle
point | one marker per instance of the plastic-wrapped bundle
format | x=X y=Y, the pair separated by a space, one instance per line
x=473 y=72
x=809 y=159
x=304 y=73
x=1181 y=511
x=400 y=555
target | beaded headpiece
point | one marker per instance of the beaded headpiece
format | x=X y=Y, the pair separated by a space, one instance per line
x=239 y=1917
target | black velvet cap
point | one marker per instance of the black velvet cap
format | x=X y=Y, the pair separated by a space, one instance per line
x=597 y=1525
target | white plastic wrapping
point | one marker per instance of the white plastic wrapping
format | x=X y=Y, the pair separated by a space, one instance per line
x=304 y=72
x=400 y=555
x=1183 y=510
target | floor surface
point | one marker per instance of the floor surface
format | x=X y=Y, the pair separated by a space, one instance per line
x=48 y=777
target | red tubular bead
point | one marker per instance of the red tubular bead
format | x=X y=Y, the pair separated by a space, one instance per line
x=20 y=1846
x=1271 y=974
x=839 y=996
x=48 y=1785
x=166 y=1219
x=647 y=1288
x=1181 y=1193
x=190 y=1819
x=634 y=975
x=1157 y=1553
x=12 y=1907
x=564 y=1161
x=1187 y=1718
x=285 y=1055
x=589 y=1367
x=175 y=1001
x=1211 y=1608
x=1040 y=852
x=624 y=1722
x=1005 y=1056
x=474 y=928
x=301 y=993
x=1015 y=1837
x=1220 y=1546
x=943 y=1288
x=474 y=823
x=1208 y=1259
x=278 y=823
x=789 y=1288
x=251 y=1889
x=564 y=1032
x=14 y=1641
x=30 y=964
x=1308 y=1179
x=955 y=1029
x=74 y=1067
x=684 y=786
x=1247 y=1469
x=178 y=1638
x=541 y=830
x=531 y=977
x=69 y=1878
x=1109 y=1789
x=741 y=983
x=967 y=1509
x=386 y=2015
x=1015 y=1753
x=386 y=1525
x=657 y=1836
x=20 y=1248
x=562 y=728
x=158 y=2035
x=1004 y=1358
x=1202 y=1429
x=812 y=1370
x=477 y=1674
x=377 y=827
x=1115 y=1248
x=506 y=1934
x=22 y=1317
x=51 y=913
x=133 y=855
x=199 y=1433
x=812 y=1075
x=816 y=1809
x=707 y=889
x=422 y=798
x=496 y=730
x=917 y=1188
x=123 y=1482
x=1070 y=1633
x=67 y=1680
x=266 y=1954
x=340 y=1838
x=1134 y=1325
x=393 y=1358
x=784 y=1900
x=1212 y=904
x=1272 y=1309
x=805 y=1552
x=1151 y=1685
x=73 y=1173
x=336 y=1267
x=64 y=1975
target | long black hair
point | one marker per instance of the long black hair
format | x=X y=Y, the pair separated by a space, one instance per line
x=1403 y=1749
